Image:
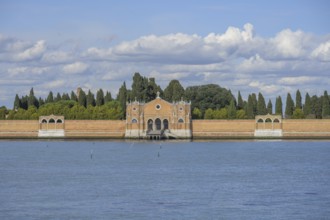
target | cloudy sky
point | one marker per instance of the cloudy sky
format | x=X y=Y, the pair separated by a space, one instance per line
x=273 y=47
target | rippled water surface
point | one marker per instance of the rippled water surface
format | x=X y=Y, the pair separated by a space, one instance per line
x=164 y=180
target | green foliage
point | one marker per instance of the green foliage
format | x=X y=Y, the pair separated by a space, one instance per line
x=197 y=114
x=3 y=112
x=32 y=100
x=250 y=113
x=289 y=106
x=325 y=105
x=208 y=96
x=99 y=97
x=50 y=97
x=82 y=99
x=298 y=100
x=90 y=99
x=261 y=105
x=298 y=114
x=232 y=110
x=316 y=104
x=107 y=97
x=307 y=106
x=279 y=106
x=240 y=114
x=208 y=114
x=122 y=97
x=174 y=91
x=17 y=102
x=240 y=102
x=270 y=107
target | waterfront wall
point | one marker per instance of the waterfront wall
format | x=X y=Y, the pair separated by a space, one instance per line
x=223 y=128
x=308 y=128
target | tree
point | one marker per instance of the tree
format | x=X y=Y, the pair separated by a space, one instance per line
x=279 y=106
x=250 y=113
x=82 y=98
x=254 y=104
x=122 y=97
x=270 y=107
x=307 y=106
x=174 y=91
x=289 y=106
x=50 y=97
x=208 y=114
x=240 y=102
x=138 y=87
x=107 y=97
x=90 y=99
x=65 y=96
x=316 y=106
x=261 y=105
x=32 y=100
x=298 y=114
x=232 y=110
x=41 y=102
x=240 y=114
x=17 y=102
x=196 y=114
x=58 y=97
x=73 y=96
x=151 y=90
x=298 y=100
x=99 y=97
x=325 y=105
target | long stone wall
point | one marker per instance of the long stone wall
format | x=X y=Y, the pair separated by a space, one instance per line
x=307 y=128
x=223 y=128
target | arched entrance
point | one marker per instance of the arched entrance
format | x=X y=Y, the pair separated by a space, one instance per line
x=150 y=125
x=158 y=123
x=165 y=123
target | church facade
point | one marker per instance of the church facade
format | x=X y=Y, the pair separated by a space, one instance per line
x=158 y=119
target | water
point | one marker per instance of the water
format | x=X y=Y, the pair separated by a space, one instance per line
x=164 y=180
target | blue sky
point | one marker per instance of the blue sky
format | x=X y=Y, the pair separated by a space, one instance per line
x=273 y=47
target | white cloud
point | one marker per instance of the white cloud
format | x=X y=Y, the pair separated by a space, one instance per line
x=57 y=57
x=31 y=53
x=297 y=80
x=322 y=52
x=75 y=68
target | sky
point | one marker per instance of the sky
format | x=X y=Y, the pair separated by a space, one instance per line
x=272 y=47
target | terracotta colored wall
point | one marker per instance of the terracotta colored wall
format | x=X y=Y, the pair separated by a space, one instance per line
x=95 y=128
x=223 y=128
x=306 y=128
x=19 y=128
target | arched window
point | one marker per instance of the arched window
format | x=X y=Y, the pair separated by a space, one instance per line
x=260 y=120
x=134 y=120
x=268 y=120
x=51 y=120
x=276 y=120
x=180 y=120
x=150 y=124
x=59 y=121
x=44 y=121
x=165 y=123
x=158 y=123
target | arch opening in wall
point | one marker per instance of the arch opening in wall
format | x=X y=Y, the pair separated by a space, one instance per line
x=165 y=123
x=268 y=120
x=181 y=120
x=158 y=123
x=44 y=121
x=51 y=120
x=276 y=120
x=59 y=121
x=134 y=121
x=150 y=124
x=260 y=120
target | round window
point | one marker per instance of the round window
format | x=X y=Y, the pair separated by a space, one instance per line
x=134 y=109
x=158 y=106
x=180 y=108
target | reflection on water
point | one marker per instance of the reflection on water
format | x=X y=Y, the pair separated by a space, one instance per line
x=102 y=179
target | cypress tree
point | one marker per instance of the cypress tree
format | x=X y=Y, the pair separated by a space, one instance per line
x=249 y=111
x=122 y=97
x=139 y=87
x=90 y=99
x=41 y=101
x=99 y=97
x=73 y=96
x=17 y=102
x=270 y=107
x=240 y=102
x=82 y=98
x=232 y=110
x=325 y=105
x=254 y=104
x=279 y=106
x=261 y=105
x=32 y=100
x=50 y=97
x=58 y=97
x=289 y=106
x=65 y=96
x=107 y=97
x=308 y=105
x=298 y=100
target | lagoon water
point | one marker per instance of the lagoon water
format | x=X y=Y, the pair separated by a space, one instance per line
x=164 y=180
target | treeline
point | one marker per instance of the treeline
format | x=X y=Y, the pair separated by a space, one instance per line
x=207 y=101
